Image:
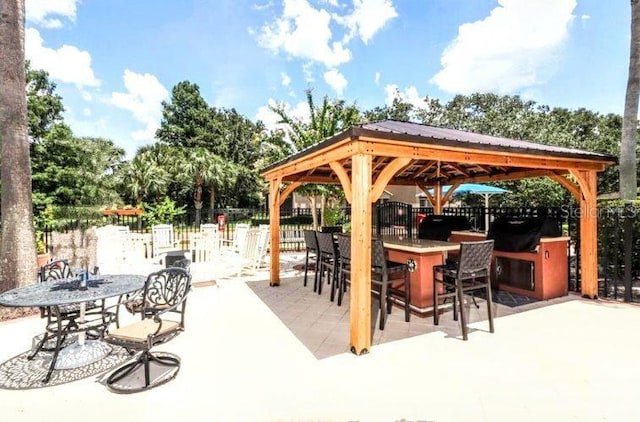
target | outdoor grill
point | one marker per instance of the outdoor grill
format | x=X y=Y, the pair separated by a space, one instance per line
x=512 y=234
x=439 y=227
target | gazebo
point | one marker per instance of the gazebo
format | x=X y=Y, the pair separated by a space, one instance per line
x=366 y=158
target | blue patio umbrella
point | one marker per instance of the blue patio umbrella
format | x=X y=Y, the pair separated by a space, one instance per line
x=476 y=188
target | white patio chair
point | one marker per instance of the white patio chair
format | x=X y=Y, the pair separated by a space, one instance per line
x=263 y=244
x=163 y=239
x=239 y=236
x=248 y=247
x=205 y=246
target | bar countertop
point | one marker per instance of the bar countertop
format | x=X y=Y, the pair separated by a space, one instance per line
x=408 y=244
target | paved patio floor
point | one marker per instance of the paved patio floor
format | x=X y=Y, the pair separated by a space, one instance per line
x=323 y=326
x=576 y=360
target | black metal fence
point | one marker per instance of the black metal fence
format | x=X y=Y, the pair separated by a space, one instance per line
x=618 y=267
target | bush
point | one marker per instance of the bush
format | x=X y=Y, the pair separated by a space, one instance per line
x=163 y=213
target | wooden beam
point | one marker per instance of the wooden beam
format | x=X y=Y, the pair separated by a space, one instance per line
x=582 y=178
x=345 y=181
x=336 y=152
x=479 y=179
x=322 y=179
x=438 y=190
x=476 y=156
x=274 y=230
x=588 y=232
x=573 y=188
x=284 y=194
x=360 y=295
x=387 y=174
x=430 y=197
x=450 y=193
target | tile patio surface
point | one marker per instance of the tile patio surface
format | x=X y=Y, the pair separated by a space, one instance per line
x=571 y=360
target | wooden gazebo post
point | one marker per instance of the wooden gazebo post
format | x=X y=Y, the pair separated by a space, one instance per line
x=360 y=299
x=587 y=179
x=274 y=228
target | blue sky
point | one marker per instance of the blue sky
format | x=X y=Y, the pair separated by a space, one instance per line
x=115 y=61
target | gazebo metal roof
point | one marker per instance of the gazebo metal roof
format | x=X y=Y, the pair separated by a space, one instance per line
x=426 y=171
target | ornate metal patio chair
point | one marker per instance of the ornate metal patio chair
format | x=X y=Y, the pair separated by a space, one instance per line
x=472 y=272
x=62 y=320
x=165 y=296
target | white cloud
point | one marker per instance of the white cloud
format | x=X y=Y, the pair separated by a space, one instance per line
x=376 y=78
x=66 y=64
x=86 y=112
x=143 y=99
x=304 y=32
x=270 y=119
x=39 y=12
x=267 y=5
x=409 y=95
x=286 y=80
x=307 y=70
x=585 y=17
x=336 y=81
x=367 y=18
x=509 y=50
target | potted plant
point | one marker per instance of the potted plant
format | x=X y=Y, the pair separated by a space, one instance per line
x=41 y=249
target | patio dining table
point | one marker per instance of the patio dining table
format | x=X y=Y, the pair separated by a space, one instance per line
x=69 y=291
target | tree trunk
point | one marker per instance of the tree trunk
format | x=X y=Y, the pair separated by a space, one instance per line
x=18 y=250
x=314 y=215
x=212 y=202
x=197 y=200
x=323 y=205
x=628 y=166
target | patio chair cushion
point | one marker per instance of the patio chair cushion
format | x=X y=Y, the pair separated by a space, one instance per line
x=141 y=330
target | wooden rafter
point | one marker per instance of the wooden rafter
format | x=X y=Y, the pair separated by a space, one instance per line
x=426 y=168
x=459 y=169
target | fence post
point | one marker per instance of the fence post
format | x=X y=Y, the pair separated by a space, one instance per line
x=628 y=250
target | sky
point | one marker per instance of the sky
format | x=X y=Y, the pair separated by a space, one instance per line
x=115 y=61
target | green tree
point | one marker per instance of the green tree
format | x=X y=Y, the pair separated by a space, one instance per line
x=512 y=117
x=44 y=106
x=18 y=252
x=330 y=118
x=185 y=118
x=147 y=176
x=75 y=171
x=204 y=169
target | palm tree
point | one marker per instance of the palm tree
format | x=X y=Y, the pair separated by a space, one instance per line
x=628 y=164
x=18 y=251
x=324 y=121
x=144 y=177
x=205 y=169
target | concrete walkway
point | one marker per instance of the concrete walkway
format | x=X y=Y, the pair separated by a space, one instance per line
x=576 y=360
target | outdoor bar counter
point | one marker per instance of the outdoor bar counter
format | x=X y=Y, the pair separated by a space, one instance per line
x=541 y=274
x=425 y=253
